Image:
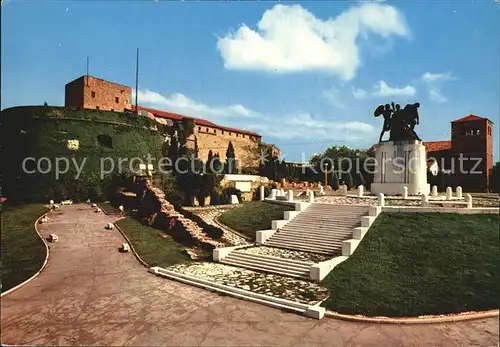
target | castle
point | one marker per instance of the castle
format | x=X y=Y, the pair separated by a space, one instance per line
x=468 y=157
x=94 y=93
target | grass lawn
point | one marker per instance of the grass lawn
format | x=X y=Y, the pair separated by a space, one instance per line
x=413 y=264
x=23 y=252
x=151 y=247
x=253 y=216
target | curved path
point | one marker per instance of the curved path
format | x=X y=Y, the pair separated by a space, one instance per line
x=90 y=294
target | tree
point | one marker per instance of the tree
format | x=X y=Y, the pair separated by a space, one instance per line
x=230 y=158
x=196 y=149
x=334 y=181
x=360 y=180
x=348 y=181
x=217 y=164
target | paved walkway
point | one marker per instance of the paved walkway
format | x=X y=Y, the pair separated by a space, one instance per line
x=90 y=294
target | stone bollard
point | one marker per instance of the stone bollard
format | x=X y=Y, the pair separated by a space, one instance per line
x=109 y=226
x=459 y=192
x=434 y=191
x=262 y=193
x=425 y=200
x=449 y=193
x=282 y=192
x=405 y=192
x=344 y=190
x=51 y=202
x=360 y=191
x=468 y=200
x=311 y=196
x=381 y=200
x=273 y=194
x=290 y=195
x=307 y=191
x=321 y=190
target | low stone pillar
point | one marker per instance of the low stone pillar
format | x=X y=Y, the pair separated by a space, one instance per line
x=360 y=191
x=308 y=191
x=434 y=191
x=459 y=192
x=311 y=196
x=321 y=190
x=405 y=192
x=425 y=200
x=273 y=194
x=468 y=200
x=282 y=192
x=344 y=190
x=290 y=195
x=449 y=193
x=262 y=193
x=381 y=200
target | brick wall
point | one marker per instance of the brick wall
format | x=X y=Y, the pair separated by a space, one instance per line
x=91 y=92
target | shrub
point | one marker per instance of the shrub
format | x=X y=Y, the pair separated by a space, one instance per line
x=232 y=191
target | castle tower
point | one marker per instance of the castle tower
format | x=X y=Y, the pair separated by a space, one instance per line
x=95 y=93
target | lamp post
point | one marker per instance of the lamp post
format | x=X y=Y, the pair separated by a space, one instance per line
x=326 y=173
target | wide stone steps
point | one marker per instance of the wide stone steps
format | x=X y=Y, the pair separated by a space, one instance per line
x=320 y=229
x=330 y=223
x=310 y=237
x=268 y=264
x=313 y=244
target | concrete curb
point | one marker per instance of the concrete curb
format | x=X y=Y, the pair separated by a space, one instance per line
x=456 y=317
x=131 y=245
x=43 y=265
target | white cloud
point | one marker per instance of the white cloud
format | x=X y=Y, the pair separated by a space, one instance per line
x=180 y=103
x=434 y=83
x=291 y=39
x=359 y=93
x=301 y=126
x=433 y=77
x=383 y=89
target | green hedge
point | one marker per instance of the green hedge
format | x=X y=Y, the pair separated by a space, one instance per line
x=41 y=131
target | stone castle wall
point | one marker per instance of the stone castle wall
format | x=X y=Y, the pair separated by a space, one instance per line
x=217 y=141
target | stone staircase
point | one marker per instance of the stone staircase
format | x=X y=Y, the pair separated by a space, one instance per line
x=321 y=228
x=270 y=264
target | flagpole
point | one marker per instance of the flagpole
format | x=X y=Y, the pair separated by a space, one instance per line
x=87 y=71
x=137 y=82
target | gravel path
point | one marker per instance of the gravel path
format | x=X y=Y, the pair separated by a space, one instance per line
x=286 y=254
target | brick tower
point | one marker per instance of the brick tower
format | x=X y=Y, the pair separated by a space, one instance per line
x=96 y=93
x=471 y=137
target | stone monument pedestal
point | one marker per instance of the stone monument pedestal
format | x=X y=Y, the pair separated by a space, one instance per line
x=400 y=164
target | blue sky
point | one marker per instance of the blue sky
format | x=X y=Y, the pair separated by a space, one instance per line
x=305 y=75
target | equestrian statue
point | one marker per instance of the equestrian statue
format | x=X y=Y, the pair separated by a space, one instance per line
x=399 y=122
